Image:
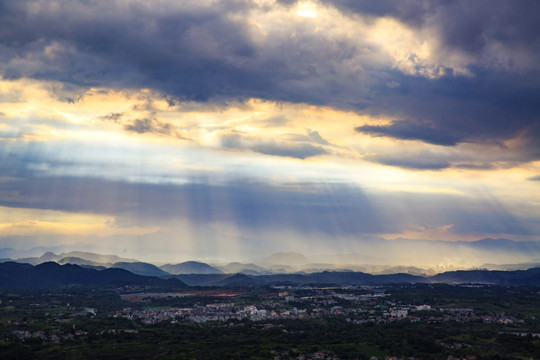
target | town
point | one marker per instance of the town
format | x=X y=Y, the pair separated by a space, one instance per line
x=283 y=322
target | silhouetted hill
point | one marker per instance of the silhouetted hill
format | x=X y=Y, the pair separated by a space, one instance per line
x=51 y=274
x=343 y=278
x=238 y=280
x=190 y=267
x=326 y=277
x=529 y=277
x=201 y=279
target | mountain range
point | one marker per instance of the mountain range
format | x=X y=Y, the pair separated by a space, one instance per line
x=381 y=263
x=51 y=275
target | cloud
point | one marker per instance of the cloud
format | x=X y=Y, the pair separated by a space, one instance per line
x=413 y=162
x=410 y=130
x=505 y=33
x=114 y=117
x=469 y=70
x=316 y=137
x=475 y=166
x=149 y=125
x=269 y=147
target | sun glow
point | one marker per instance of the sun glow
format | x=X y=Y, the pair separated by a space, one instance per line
x=306 y=9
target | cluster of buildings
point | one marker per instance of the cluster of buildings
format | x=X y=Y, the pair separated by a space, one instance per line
x=55 y=336
x=356 y=308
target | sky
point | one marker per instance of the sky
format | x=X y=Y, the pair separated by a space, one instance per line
x=174 y=130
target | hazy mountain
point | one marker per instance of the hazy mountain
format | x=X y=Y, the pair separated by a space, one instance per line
x=281 y=269
x=48 y=256
x=82 y=257
x=506 y=267
x=248 y=269
x=98 y=258
x=190 y=267
x=141 y=268
x=371 y=269
x=51 y=274
x=413 y=270
x=503 y=244
x=77 y=261
x=369 y=255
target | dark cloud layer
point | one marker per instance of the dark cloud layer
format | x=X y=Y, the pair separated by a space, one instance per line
x=210 y=53
x=463 y=25
x=412 y=162
x=410 y=130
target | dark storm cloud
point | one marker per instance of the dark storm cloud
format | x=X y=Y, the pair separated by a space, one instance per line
x=212 y=53
x=489 y=108
x=475 y=26
x=463 y=25
x=410 y=130
x=409 y=11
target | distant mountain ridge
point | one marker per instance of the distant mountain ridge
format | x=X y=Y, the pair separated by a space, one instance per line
x=520 y=256
x=141 y=268
x=190 y=267
x=248 y=269
x=529 y=277
x=90 y=258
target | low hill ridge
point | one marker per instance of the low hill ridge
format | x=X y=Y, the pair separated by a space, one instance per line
x=51 y=274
